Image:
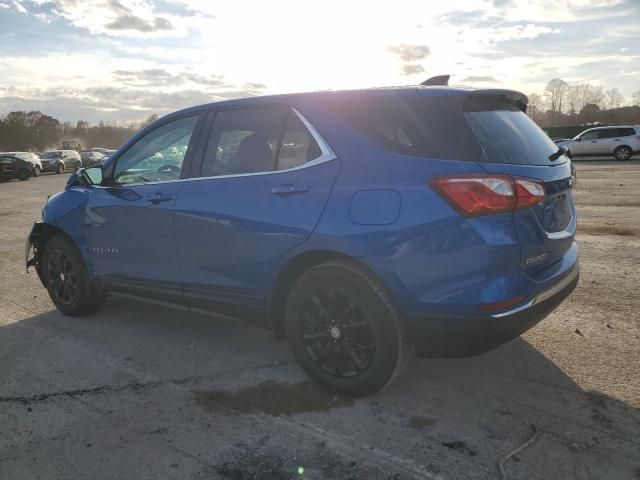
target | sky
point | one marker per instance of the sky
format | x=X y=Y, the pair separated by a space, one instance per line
x=120 y=60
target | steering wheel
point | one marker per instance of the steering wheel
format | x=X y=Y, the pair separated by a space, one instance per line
x=169 y=169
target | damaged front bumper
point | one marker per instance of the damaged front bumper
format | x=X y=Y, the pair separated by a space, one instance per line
x=32 y=254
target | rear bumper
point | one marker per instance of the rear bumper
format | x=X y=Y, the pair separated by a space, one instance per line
x=464 y=336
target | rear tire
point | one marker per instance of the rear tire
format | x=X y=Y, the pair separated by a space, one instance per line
x=623 y=153
x=345 y=330
x=67 y=279
x=60 y=168
x=23 y=175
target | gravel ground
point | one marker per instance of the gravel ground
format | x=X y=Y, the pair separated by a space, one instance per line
x=143 y=392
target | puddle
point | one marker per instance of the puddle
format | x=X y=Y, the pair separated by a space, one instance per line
x=273 y=398
x=420 y=423
x=604 y=229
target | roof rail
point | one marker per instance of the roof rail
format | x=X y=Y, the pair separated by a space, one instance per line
x=437 y=80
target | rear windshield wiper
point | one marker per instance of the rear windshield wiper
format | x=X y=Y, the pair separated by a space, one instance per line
x=561 y=151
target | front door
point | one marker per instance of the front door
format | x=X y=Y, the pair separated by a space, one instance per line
x=129 y=218
x=588 y=144
x=264 y=180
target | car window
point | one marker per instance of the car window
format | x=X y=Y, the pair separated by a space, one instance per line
x=7 y=161
x=592 y=135
x=158 y=156
x=609 y=133
x=243 y=141
x=626 y=132
x=298 y=145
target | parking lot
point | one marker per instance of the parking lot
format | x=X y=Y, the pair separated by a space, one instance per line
x=139 y=391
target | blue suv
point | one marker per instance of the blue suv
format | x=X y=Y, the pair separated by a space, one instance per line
x=359 y=225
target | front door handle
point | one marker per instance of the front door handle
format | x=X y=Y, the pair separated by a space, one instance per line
x=157 y=198
x=594 y=141
x=289 y=190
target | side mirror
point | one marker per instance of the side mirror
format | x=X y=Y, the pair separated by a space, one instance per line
x=578 y=139
x=85 y=176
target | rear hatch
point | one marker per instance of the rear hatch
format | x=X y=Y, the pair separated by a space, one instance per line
x=513 y=144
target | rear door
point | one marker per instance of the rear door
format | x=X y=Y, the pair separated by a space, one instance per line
x=513 y=144
x=259 y=191
x=607 y=140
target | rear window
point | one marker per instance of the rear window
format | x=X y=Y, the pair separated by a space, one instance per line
x=481 y=129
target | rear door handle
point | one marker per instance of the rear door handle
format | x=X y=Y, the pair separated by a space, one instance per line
x=157 y=198
x=289 y=190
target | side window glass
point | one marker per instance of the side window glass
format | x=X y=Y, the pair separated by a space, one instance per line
x=590 y=135
x=7 y=161
x=158 y=156
x=244 y=141
x=298 y=145
x=608 y=133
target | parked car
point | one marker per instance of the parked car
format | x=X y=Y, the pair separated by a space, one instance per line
x=60 y=160
x=428 y=218
x=102 y=150
x=90 y=158
x=621 y=142
x=29 y=157
x=12 y=167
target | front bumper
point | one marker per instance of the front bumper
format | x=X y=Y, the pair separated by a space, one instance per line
x=458 y=337
x=32 y=252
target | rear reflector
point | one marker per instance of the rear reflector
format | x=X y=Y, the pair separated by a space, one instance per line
x=503 y=305
x=479 y=194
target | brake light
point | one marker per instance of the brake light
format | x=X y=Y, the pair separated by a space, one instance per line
x=479 y=194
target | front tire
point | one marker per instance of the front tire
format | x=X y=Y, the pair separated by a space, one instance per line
x=60 y=168
x=623 y=153
x=38 y=171
x=67 y=279
x=345 y=330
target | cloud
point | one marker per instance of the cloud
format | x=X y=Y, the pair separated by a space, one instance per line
x=118 y=17
x=478 y=79
x=410 y=53
x=131 y=22
x=109 y=103
x=411 y=69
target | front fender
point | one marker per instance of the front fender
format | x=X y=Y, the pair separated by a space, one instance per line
x=65 y=213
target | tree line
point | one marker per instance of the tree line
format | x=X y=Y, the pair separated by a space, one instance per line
x=36 y=132
x=563 y=104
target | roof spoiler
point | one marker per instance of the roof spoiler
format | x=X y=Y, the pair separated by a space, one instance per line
x=437 y=80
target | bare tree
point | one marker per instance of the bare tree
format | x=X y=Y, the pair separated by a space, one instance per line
x=596 y=96
x=635 y=98
x=534 y=107
x=556 y=90
x=614 y=98
x=573 y=99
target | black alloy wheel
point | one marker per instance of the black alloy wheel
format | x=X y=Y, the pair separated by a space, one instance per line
x=62 y=277
x=337 y=334
x=345 y=330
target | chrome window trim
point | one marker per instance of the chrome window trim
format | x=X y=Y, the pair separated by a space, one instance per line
x=327 y=155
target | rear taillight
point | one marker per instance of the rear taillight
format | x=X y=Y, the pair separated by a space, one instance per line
x=480 y=194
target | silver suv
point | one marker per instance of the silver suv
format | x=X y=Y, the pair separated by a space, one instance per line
x=60 y=160
x=621 y=142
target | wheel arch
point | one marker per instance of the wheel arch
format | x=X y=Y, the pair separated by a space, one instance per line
x=42 y=233
x=288 y=275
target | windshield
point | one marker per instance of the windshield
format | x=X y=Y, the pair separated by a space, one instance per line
x=51 y=155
